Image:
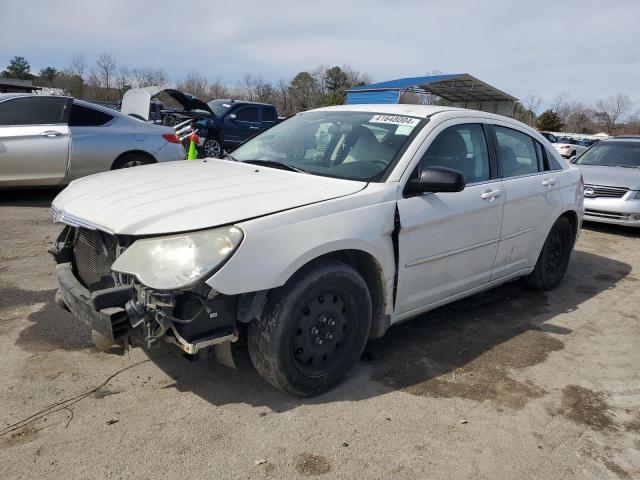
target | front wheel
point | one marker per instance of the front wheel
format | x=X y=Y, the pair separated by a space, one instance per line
x=313 y=329
x=554 y=258
x=212 y=148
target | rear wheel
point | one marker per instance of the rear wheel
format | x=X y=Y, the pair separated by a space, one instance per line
x=131 y=160
x=554 y=258
x=313 y=329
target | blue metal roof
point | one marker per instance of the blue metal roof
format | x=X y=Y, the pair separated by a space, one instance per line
x=460 y=88
x=407 y=82
x=376 y=96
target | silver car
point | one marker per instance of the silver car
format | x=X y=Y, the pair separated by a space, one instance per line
x=611 y=172
x=51 y=140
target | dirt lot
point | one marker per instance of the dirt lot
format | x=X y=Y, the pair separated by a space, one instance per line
x=512 y=383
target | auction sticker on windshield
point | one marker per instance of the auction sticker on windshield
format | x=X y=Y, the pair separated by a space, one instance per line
x=395 y=120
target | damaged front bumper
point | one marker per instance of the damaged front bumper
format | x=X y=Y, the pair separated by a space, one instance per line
x=198 y=321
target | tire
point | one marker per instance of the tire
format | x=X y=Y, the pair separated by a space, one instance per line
x=131 y=160
x=313 y=329
x=573 y=154
x=212 y=148
x=554 y=258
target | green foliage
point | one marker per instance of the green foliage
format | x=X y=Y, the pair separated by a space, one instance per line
x=303 y=89
x=18 y=68
x=48 y=74
x=549 y=121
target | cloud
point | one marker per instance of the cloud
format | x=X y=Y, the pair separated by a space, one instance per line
x=588 y=49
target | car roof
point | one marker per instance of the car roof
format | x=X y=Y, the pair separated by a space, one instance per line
x=233 y=101
x=9 y=96
x=422 y=111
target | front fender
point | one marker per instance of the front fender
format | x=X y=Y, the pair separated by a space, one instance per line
x=278 y=245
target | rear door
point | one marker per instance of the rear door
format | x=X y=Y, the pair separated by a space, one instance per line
x=533 y=199
x=448 y=241
x=268 y=117
x=34 y=140
x=241 y=124
x=92 y=148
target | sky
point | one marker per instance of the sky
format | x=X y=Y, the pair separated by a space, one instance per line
x=590 y=49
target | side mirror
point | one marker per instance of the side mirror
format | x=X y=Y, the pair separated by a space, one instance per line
x=233 y=116
x=437 y=179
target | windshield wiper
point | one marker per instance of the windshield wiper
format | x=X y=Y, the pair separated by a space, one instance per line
x=628 y=166
x=276 y=164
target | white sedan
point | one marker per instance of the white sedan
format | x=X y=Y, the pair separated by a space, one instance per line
x=569 y=148
x=317 y=234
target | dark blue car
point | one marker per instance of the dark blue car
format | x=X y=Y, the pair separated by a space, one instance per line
x=233 y=122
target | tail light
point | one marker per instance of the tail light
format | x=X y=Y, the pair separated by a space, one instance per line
x=171 y=137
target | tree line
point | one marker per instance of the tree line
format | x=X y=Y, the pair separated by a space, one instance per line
x=107 y=80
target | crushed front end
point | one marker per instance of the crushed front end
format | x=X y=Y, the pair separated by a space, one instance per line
x=119 y=307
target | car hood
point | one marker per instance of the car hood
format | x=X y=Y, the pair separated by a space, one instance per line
x=136 y=101
x=611 y=176
x=180 y=196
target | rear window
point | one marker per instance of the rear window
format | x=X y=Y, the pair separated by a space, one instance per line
x=268 y=115
x=250 y=114
x=33 y=111
x=82 y=116
x=614 y=154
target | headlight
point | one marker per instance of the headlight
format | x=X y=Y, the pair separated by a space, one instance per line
x=635 y=196
x=178 y=261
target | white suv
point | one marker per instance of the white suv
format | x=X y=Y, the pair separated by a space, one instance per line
x=318 y=234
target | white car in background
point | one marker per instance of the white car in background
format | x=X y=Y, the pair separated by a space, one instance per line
x=317 y=234
x=51 y=140
x=569 y=147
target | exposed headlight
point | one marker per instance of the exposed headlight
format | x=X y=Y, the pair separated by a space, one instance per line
x=635 y=196
x=178 y=261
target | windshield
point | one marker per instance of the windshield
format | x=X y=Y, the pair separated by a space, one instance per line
x=349 y=145
x=219 y=107
x=614 y=154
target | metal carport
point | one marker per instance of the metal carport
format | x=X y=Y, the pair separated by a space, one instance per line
x=460 y=89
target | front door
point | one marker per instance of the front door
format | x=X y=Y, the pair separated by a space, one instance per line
x=241 y=124
x=448 y=241
x=34 y=140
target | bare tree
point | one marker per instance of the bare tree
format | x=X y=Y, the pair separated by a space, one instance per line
x=611 y=110
x=78 y=67
x=217 y=89
x=106 y=70
x=579 y=119
x=124 y=82
x=195 y=84
x=284 y=107
x=560 y=105
x=531 y=103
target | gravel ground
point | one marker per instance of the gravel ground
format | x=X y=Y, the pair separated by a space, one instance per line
x=512 y=383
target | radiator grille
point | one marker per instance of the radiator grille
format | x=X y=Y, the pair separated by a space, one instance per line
x=602 y=191
x=93 y=254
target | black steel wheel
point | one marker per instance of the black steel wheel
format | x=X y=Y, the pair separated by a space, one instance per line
x=313 y=329
x=554 y=258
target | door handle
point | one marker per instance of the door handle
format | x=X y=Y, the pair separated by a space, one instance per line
x=254 y=128
x=549 y=182
x=491 y=194
x=50 y=134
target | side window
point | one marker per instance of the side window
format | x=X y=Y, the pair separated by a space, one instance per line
x=82 y=116
x=268 y=115
x=517 y=152
x=250 y=114
x=33 y=111
x=463 y=148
